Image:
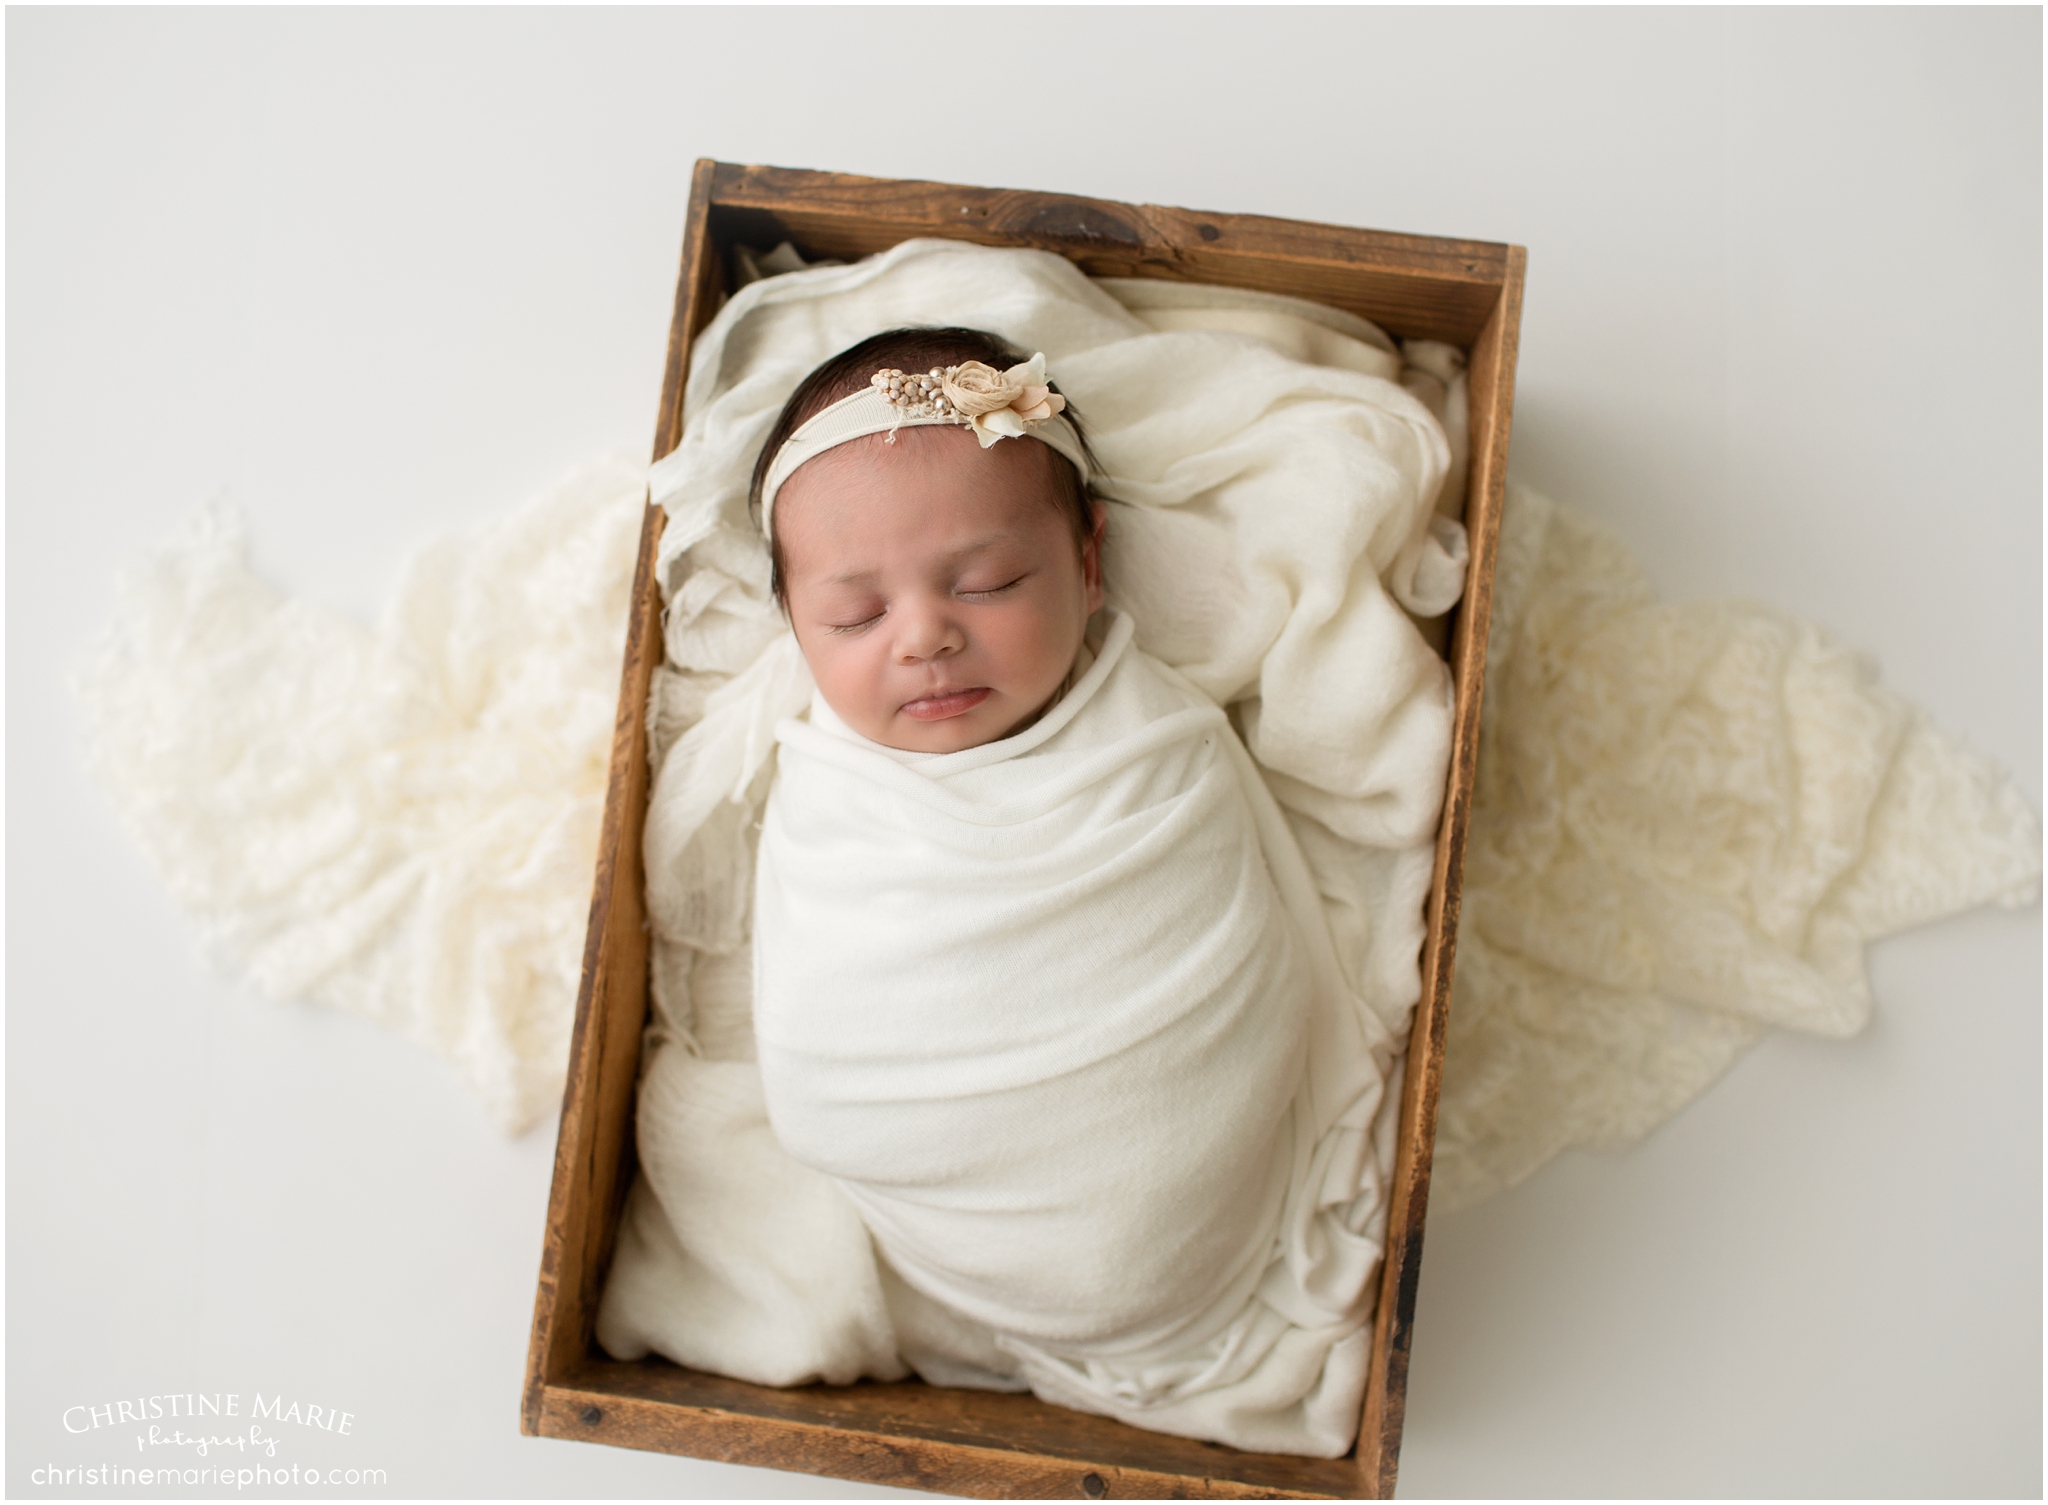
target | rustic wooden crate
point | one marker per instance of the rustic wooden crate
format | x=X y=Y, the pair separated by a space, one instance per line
x=1467 y=293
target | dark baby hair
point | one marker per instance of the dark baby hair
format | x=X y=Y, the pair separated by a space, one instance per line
x=912 y=349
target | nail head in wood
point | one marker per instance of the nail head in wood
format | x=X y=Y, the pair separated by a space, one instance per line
x=1208 y=232
x=592 y=1416
x=1093 y=1487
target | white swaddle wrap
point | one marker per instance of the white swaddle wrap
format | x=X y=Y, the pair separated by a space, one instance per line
x=1273 y=468
x=1042 y=1008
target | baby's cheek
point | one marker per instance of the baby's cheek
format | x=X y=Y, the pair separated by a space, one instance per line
x=1041 y=643
x=838 y=676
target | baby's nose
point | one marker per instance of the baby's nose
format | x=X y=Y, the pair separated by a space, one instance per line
x=928 y=635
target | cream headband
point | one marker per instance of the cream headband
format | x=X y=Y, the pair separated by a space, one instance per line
x=995 y=404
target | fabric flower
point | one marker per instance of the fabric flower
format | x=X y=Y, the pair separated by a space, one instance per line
x=1002 y=404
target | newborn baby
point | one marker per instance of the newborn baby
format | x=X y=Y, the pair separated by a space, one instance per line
x=1040 y=977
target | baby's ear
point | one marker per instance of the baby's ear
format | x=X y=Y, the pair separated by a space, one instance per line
x=1091 y=554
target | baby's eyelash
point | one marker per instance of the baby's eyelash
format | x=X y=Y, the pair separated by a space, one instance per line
x=996 y=590
x=845 y=629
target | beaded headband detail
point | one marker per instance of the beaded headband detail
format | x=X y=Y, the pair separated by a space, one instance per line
x=1012 y=404
x=995 y=404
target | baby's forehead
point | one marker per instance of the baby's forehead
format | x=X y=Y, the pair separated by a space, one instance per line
x=932 y=496
x=930 y=460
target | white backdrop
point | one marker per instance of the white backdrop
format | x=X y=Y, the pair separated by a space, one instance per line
x=379 y=274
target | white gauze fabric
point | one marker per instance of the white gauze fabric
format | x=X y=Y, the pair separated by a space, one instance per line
x=1272 y=532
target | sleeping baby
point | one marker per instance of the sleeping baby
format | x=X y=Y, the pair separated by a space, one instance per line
x=1041 y=980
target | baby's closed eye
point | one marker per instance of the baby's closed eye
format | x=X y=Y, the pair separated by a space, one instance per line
x=852 y=618
x=977 y=591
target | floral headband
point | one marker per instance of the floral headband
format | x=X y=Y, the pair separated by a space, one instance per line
x=995 y=404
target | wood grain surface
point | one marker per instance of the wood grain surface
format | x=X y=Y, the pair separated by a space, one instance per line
x=594 y=1159
x=1491 y=398
x=958 y=1441
x=916 y=1436
x=1411 y=285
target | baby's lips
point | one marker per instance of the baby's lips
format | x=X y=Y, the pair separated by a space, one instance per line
x=945 y=704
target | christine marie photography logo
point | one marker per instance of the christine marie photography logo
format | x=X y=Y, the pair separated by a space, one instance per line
x=213 y=1441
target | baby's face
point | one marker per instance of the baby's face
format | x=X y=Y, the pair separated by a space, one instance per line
x=935 y=586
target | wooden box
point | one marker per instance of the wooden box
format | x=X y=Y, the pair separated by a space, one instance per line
x=1466 y=293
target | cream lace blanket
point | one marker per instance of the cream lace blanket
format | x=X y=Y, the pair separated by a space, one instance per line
x=394 y=822
x=1691 y=817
